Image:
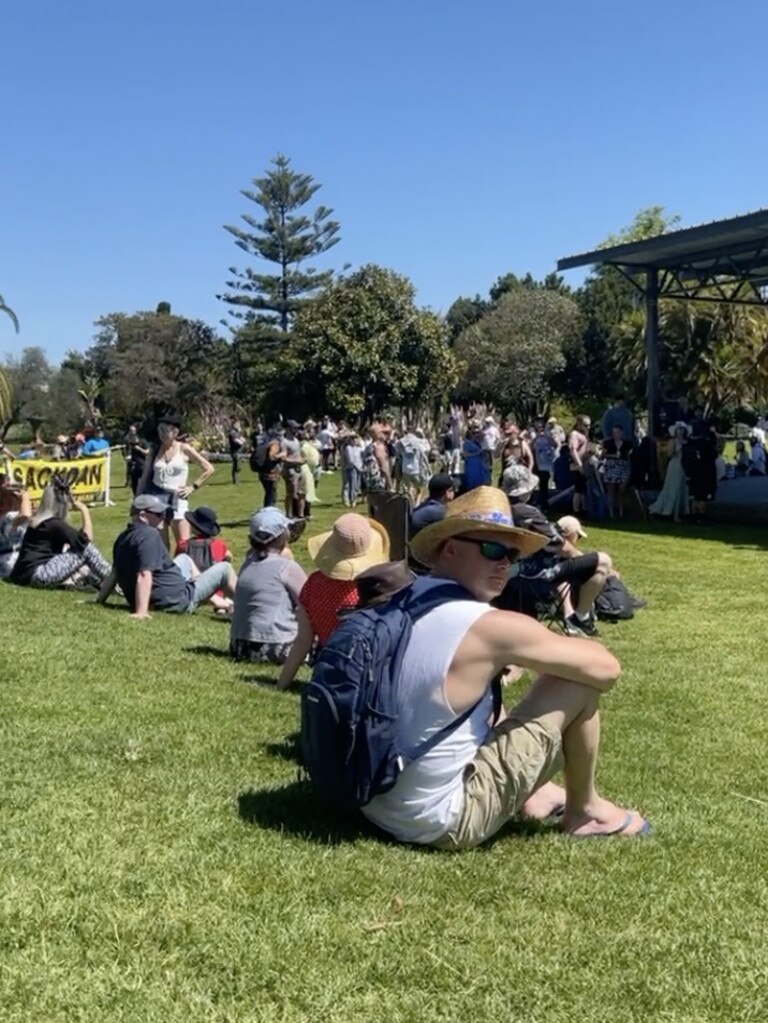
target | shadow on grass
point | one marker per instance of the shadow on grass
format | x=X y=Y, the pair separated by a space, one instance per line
x=288 y=749
x=266 y=681
x=295 y=810
x=738 y=535
x=207 y=651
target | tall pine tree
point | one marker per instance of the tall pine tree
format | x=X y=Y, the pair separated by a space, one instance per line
x=283 y=236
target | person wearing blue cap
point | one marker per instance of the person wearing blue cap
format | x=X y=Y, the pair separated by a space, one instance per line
x=264 y=623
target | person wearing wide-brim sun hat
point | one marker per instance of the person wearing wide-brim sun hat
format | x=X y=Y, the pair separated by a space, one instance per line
x=341 y=554
x=482 y=510
x=457 y=792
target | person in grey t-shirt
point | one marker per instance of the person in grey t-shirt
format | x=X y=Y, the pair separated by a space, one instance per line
x=264 y=622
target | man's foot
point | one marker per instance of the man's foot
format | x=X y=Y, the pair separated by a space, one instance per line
x=585 y=625
x=604 y=820
x=571 y=627
x=547 y=801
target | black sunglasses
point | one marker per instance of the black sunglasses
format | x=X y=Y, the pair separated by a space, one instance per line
x=492 y=550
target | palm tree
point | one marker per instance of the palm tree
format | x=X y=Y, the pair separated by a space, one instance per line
x=6 y=395
x=9 y=312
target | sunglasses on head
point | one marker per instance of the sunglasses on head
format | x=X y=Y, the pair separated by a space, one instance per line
x=492 y=550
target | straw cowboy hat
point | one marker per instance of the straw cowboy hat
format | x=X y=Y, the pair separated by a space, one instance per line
x=353 y=545
x=482 y=510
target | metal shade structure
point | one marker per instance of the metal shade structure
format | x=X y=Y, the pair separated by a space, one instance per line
x=724 y=261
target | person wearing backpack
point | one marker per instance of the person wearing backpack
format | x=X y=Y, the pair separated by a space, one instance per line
x=267 y=461
x=397 y=717
x=377 y=472
x=205 y=547
x=412 y=463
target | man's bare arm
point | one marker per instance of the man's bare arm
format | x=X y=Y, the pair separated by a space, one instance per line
x=500 y=638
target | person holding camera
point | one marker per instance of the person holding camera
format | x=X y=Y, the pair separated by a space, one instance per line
x=53 y=553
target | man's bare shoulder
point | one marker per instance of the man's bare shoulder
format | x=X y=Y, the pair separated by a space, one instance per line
x=499 y=638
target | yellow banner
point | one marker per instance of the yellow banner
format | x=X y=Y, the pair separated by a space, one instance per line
x=87 y=477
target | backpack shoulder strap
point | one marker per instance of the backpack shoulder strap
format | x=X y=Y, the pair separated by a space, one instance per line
x=423 y=596
x=429 y=592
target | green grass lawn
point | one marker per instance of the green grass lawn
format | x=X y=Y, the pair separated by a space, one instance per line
x=160 y=862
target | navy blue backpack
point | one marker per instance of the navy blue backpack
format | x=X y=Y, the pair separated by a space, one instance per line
x=350 y=707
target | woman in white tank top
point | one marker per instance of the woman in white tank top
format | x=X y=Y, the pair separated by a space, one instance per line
x=166 y=474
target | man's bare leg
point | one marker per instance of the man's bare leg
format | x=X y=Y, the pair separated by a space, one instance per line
x=572 y=709
x=590 y=590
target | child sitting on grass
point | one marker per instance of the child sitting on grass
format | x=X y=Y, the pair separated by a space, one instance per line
x=204 y=547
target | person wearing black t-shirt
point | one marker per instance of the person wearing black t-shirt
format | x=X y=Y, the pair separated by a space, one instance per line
x=53 y=552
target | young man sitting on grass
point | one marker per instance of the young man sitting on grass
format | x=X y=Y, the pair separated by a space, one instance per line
x=477 y=778
x=579 y=578
x=149 y=579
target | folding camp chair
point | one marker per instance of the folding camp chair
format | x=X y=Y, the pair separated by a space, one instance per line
x=532 y=596
x=393 y=512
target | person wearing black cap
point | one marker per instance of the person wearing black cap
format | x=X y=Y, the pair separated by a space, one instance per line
x=442 y=490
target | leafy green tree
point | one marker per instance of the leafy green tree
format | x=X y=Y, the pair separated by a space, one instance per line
x=66 y=410
x=463 y=313
x=511 y=355
x=364 y=345
x=607 y=300
x=145 y=363
x=511 y=282
x=29 y=377
x=716 y=354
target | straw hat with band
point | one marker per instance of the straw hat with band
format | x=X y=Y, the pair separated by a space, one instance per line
x=482 y=510
x=353 y=545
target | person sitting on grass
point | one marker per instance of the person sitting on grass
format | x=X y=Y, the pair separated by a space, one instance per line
x=13 y=527
x=53 y=553
x=205 y=546
x=579 y=578
x=468 y=786
x=743 y=461
x=149 y=579
x=264 y=624
x=354 y=544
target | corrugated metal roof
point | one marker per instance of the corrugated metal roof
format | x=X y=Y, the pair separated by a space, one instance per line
x=740 y=239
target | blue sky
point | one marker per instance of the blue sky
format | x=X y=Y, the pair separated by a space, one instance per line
x=455 y=141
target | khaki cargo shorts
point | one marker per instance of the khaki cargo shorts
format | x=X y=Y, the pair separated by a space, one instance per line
x=518 y=758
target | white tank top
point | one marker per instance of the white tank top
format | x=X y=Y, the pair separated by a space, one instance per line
x=171 y=475
x=428 y=796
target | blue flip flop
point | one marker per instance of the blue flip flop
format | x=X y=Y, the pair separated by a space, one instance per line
x=626 y=823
